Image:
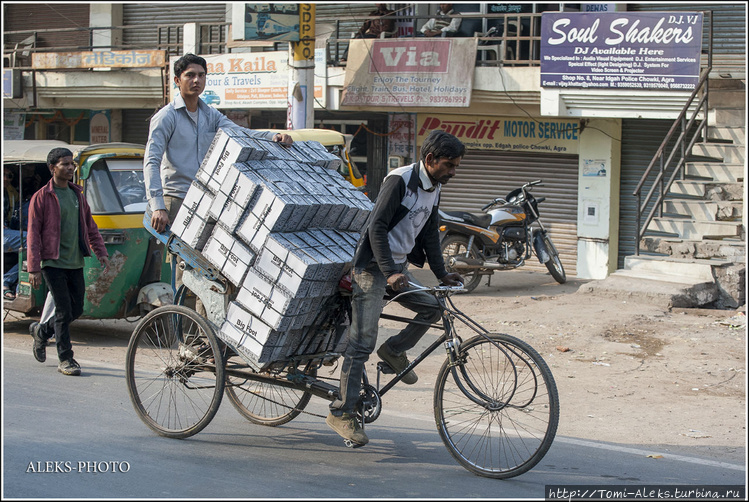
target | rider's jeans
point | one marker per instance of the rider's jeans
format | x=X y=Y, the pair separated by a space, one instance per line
x=366 y=305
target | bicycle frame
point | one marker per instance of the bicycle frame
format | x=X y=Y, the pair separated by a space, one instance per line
x=451 y=341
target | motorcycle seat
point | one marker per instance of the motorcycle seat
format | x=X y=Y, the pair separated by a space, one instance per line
x=479 y=220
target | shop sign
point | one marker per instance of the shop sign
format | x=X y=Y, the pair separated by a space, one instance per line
x=272 y=22
x=410 y=72
x=505 y=133
x=98 y=59
x=401 y=136
x=621 y=50
x=247 y=80
x=99 y=127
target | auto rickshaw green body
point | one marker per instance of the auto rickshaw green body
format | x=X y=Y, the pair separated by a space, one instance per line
x=138 y=278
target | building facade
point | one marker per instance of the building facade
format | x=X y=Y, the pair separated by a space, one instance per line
x=517 y=129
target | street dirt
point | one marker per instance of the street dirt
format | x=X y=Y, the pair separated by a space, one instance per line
x=627 y=372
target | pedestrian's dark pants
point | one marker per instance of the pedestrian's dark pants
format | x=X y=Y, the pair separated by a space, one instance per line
x=366 y=305
x=67 y=288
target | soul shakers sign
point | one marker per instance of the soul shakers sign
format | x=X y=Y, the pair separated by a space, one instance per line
x=621 y=50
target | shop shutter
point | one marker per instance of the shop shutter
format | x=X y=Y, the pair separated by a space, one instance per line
x=42 y=16
x=141 y=18
x=640 y=140
x=729 y=32
x=135 y=125
x=486 y=175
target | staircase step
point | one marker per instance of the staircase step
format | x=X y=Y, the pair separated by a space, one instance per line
x=730 y=249
x=727 y=117
x=726 y=98
x=702 y=210
x=687 y=228
x=716 y=171
x=651 y=289
x=709 y=190
x=737 y=135
x=729 y=154
x=683 y=270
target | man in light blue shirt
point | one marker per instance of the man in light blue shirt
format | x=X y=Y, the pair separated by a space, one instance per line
x=178 y=139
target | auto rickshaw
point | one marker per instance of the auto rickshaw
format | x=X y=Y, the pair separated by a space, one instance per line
x=337 y=143
x=138 y=277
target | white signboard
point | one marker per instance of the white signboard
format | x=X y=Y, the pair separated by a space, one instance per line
x=246 y=80
x=430 y=72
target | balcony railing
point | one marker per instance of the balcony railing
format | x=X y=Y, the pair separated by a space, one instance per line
x=507 y=39
x=513 y=39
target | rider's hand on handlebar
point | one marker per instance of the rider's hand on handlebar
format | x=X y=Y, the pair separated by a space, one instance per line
x=159 y=220
x=398 y=282
x=452 y=279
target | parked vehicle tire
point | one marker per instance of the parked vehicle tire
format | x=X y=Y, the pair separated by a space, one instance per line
x=457 y=245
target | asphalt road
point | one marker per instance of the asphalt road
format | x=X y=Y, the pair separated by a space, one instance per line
x=60 y=433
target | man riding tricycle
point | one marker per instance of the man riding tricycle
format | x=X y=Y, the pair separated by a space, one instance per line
x=111 y=174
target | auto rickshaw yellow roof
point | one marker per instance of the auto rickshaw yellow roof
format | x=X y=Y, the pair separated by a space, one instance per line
x=326 y=137
x=121 y=149
x=31 y=150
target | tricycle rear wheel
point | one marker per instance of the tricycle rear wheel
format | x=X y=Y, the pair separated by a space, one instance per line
x=264 y=403
x=175 y=371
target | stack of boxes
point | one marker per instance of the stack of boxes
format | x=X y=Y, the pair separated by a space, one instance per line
x=281 y=224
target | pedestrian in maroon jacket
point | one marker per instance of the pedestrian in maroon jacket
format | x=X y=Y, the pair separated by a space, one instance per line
x=61 y=233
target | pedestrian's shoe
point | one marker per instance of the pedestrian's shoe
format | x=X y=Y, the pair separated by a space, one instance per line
x=39 y=349
x=347 y=426
x=69 y=367
x=398 y=362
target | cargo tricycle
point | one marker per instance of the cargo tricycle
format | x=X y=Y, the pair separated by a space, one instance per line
x=495 y=400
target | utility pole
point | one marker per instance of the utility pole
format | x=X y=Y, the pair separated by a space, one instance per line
x=302 y=75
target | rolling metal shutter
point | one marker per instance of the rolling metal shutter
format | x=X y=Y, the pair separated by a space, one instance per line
x=486 y=175
x=42 y=16
x=135 y=125
x=149 y=14
x=729 y=32
x=640 y=140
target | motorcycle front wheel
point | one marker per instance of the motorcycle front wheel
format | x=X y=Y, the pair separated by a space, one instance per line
x=554 y=264
x=457 y=245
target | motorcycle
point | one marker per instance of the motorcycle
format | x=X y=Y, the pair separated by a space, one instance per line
x=475 y=245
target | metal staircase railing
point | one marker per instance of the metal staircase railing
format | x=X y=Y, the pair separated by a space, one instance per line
x=668 y=170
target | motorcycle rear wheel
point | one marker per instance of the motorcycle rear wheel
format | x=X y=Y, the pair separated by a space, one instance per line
x=456 y=245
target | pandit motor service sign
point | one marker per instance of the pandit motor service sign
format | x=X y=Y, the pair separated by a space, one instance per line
x=517 y=134
x=621 y=50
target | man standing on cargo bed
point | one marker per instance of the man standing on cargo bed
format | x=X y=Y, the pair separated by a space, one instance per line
x=402 y=228
x=178 y=139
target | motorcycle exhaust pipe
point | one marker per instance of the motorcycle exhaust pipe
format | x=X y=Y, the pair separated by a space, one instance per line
x=462 y=263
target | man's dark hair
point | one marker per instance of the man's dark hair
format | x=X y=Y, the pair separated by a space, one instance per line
x=182 y=63
x=442 y=145
x=56 y=154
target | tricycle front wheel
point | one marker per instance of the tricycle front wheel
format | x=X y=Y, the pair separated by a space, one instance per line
x=175 y=371
x=496 y=407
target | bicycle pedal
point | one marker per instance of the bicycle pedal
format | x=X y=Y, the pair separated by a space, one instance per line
x=352 y=444
x=385 y=368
